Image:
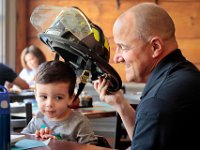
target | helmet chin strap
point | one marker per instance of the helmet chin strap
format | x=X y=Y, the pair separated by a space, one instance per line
x=56 y=56
x=84 y=77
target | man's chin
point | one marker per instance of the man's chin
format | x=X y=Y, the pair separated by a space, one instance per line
x=133 y=79
x=130 y=79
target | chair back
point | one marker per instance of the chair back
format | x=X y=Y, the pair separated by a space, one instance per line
x=102 y=141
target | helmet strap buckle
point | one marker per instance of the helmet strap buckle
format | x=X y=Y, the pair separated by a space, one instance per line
x=84 y=78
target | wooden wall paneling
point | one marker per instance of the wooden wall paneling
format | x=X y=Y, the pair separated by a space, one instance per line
x=21 y=31
x=120 y=69
x=190 y=49
x=45 y=49
x=180 y=1
x=104 y=13
x=186 y=16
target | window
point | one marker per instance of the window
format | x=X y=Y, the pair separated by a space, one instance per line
x=2 y=29
x=8 y=32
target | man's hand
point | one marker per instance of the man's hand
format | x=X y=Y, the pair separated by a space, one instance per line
x=114 y=99
x=118 y=101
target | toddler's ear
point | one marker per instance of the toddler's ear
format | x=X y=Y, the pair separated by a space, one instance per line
x=35 y=92
x=73 y=103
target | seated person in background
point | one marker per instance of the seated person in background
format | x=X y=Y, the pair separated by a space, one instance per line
x=31 y=58
x=54 y=91
x=7 y=74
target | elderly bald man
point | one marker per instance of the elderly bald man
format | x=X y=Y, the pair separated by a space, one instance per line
x=167 y=117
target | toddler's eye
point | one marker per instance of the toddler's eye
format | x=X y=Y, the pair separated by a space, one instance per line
x=43 y=97
x=59 y=97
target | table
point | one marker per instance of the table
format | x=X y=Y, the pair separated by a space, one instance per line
x=134 y=100
x=65 y=145
x=21 y=96
x=99 y=110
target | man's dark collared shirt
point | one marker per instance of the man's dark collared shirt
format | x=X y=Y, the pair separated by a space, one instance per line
x=168 y=115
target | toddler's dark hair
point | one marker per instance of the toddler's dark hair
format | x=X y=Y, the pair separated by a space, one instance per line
x=56 y=72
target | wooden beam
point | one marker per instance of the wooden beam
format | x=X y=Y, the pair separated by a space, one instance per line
x=21 y=31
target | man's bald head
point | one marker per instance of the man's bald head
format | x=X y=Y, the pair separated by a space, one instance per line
x=147 y=20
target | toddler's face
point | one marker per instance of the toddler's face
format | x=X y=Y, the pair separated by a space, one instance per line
x=53 y=100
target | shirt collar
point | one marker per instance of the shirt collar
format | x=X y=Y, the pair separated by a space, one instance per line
x=162 y=68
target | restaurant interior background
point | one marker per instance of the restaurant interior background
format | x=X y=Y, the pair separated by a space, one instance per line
x=16 y=31
x=19 y=33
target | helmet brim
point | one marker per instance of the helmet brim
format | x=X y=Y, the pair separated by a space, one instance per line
x=77 y=55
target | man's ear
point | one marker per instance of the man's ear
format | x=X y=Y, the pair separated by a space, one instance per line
x=156 y=46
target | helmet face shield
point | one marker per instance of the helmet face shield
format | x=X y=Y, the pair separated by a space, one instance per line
x=71 y=35
x=42 y=17
x=60 y=20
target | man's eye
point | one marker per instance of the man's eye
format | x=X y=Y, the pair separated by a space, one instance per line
x=124 y=48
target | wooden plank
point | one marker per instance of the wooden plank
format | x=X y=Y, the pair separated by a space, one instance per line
x=186 y=16
x=45 y=49
x=120 y=70
x=21 y=32
x=190 y=48
x=102 y=13
x=180 y=1
x=185 y=13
